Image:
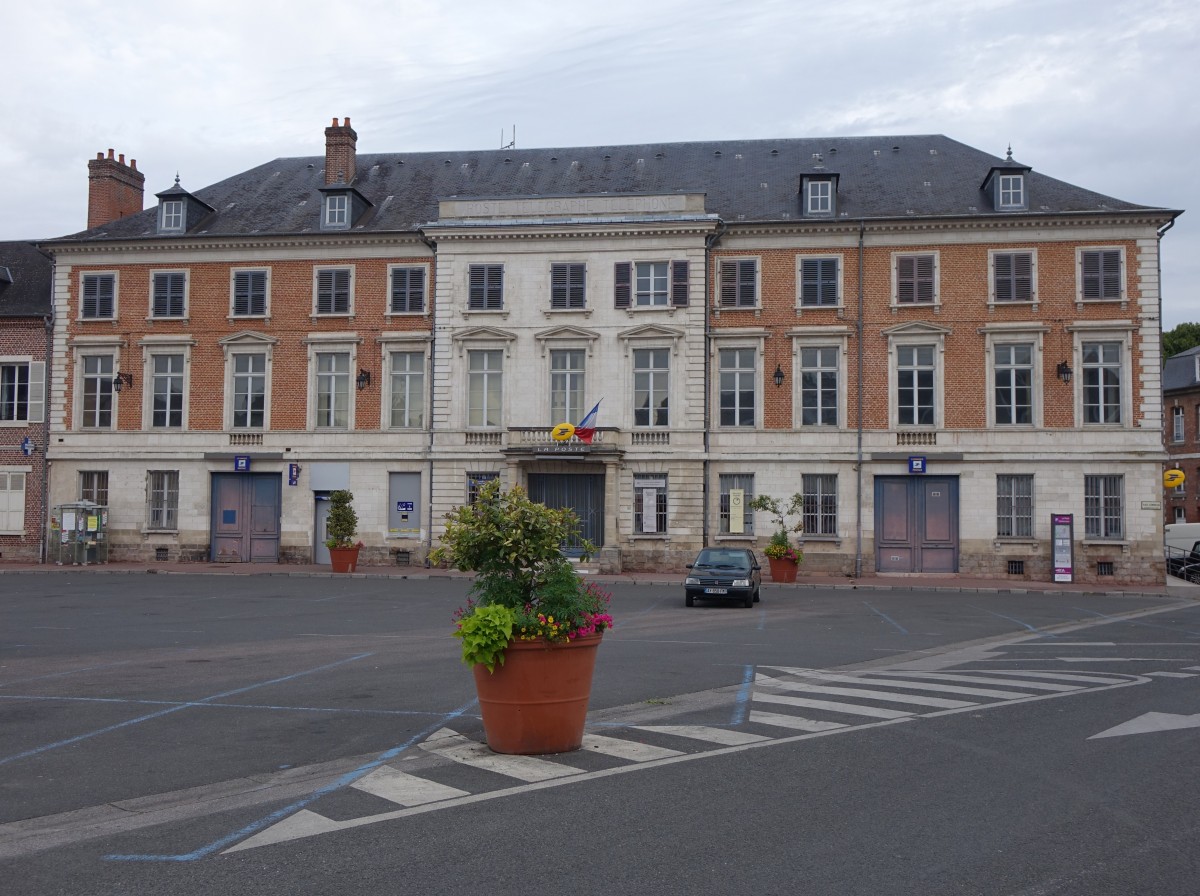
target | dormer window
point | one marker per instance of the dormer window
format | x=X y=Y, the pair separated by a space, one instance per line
x=172 y=218
x=1012 y=191
x=337 y=211
x=818 y=193
x=1005 y=185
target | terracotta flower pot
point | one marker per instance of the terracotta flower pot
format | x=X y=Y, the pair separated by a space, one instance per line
x=537 y=701
x=782 y=569
x=344 y=559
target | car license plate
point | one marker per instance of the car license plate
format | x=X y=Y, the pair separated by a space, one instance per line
x=716 y=590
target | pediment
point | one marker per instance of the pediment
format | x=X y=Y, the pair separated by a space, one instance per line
x=484 y=334
x=651 y=331
x=566 y=332
x=248 y=337
x=917 y=328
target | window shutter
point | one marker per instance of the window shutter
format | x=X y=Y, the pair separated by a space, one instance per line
x=924 y=278
x=906 y=287
x=622 y=284
x=37 y=391
x=1022 y=277
x=1004 y=277
x=1101 y=275
x=168 y=295
x=567 y=286
x=97 y=296
x=249 y=293
x=485 y=287
x=325 y=292
x=679 y=284
x=728 y=284
x=827 y=281
x=408 y=289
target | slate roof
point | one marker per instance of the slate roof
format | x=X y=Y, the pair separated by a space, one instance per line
x=1180 y=370
x=26 y=275
x=745 y=181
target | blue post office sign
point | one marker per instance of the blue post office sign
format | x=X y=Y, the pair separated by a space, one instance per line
x=241 y=463
x=916 y=464
x=404 y=506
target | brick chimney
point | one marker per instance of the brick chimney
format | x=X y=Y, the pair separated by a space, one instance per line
x=339 y=153
x=114 y=189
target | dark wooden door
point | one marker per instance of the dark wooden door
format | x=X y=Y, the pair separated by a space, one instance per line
x=916 y=524
x=245 y=517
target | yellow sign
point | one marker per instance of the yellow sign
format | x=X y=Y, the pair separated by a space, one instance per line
x=1173 y=478
x=562 y=432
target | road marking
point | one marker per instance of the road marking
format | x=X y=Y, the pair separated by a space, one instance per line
x=705 y=733
x=1150 y=722
x=625 y=749
x=796 y=723
x=939 y=702
x=1172 y=674
x=981 y=679
x=453 y=745
x=874 y=712
x=404 y=789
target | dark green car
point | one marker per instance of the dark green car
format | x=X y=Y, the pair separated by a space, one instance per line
x=724 y=574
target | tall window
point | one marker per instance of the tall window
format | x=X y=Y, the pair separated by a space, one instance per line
x=728 y=483
x=408 y=390
x=1014 y=384
x=99 y=296
x=93 y=486
x=915 y=385
x=249 y=293
x=408 y=290
x=819 y=282
x=1014 y=506
x=651 y=283
x=650 y=387
x=476 y=481
x=1100 y=274
x=333 y=291
x=167 y=388
x=568 y=286
x=566 y=385
x=916 y=279
x=820 y=503
x=249 y=390
x=1104 y=506
x=169 y=293
x=97 y=391
x=736 y=375
x=162 y=489
x=12 y=502
x=1013 y=276
x=1101 y=382
x=819 y=386
x=1176 y=424
x=485 y=380
x=333 y=390
x=22 y=391
x=739 y=283
x=485 y=287
x=650 y=504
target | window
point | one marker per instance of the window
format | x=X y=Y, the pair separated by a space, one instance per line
x=408 y=390
x=1014 y=506
x=485 y=287
x=1101 y=382
x=1012 y=191
x=249 y=293
x=1012 y=276
x=568 y=284
x=820 y=503
x=741 y=522
x=1104 y=506
x=819 y=386
x=739 y=283
x=819 y=283
x=97 y=397
x=650 y=504
x=12 y=502
x=916 y=279
x=93 y=486
x=99 y=296
x=485 y=378
x=650 y=387
x=333 y=291
x=566 y=385
x=476 y=481
x=1014 y=384
x=736 y=377
x=249 y=390
x=170 y=290
x=162 y=510
x=651 y=284
x=1100 y=274
x=408 y=291
x=337 y=210
x=166 y=383
x=1180 y=514
x=171 y=216
x=915 y=385
x=22 y=391
x=1176 y=424
x=333 y=390
x=820 y=197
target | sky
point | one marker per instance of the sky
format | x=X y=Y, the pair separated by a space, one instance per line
x=1098 y=93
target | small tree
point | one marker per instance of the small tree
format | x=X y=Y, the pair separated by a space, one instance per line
x=342 y=522
x=780 y=545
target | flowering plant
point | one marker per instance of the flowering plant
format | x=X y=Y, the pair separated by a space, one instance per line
x=780 y=545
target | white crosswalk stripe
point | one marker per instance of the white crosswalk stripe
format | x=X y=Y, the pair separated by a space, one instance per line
x=854 y=709
x=723 y=736
x=625 y=749
x=795 y=723
x=980 y=679
x=452 y=745
x=868 y=693
x=404 y=789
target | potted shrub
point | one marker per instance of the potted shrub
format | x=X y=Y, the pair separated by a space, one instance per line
x=782 y=556
x=340 y=528
x=531 y=626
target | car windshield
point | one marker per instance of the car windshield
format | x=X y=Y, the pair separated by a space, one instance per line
x=722 y=560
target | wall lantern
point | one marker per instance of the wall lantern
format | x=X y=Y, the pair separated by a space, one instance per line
x=1064 y=371
x=778 y=375
x=363 y=379
x=121 y=380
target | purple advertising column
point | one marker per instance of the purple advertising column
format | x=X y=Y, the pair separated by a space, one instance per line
x=1062 y=527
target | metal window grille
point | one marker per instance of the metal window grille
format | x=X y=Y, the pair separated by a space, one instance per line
x=163 y=508
x=727 y=482
x=820 y=503
x=650 y=505
x=1016 y=567
x=1014 y=506
x=1103 y=506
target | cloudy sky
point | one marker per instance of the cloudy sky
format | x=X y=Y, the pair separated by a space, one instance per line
x=1095 y=92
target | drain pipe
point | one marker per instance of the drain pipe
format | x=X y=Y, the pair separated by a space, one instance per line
x=430 y=393
x=858 y=558
x=710 y=243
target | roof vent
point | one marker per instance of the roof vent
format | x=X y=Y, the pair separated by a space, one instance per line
x=774 y=152
x=737 y=155
x=895 y=149
x=311 y=166
x=717 y=153
x=933 y=152
x=554 y=158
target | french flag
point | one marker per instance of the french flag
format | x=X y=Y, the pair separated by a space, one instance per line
x=586 y=427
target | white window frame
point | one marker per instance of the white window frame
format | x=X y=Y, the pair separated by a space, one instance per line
x=168 y=509
x=1122 y=276
x=480 y=416
x=570 y=382
x=1011 y=334
x=100 y=348
x=84 y=276
x=331 y=344
x=407 y=375
x=172 y=216
x=34 y=405
x=652 y=294
x=1010 y=191
x=936 y=301
x=818 y=337
x=154 y=278
x=1178 y=423
x=993 y=300
x=820 y=197
x=316 y=290
x=739 y=266
x=1008 y=509
x=153 y=347
x=915 y=338
x=753 y=373
x=337 y=211
x=815 y=504
x=801 y=304
x=1100 y=517
x=265 y=314
x=246 y=343
x=654 y=391
x=12 y=510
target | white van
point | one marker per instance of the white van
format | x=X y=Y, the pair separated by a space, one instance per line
x=1181 y=536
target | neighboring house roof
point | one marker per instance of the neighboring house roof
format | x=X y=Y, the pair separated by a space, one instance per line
x=744 y=181
x=1180 y=371
x=26 y=275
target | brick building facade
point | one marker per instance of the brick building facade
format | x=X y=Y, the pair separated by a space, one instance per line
x=1181 y=422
